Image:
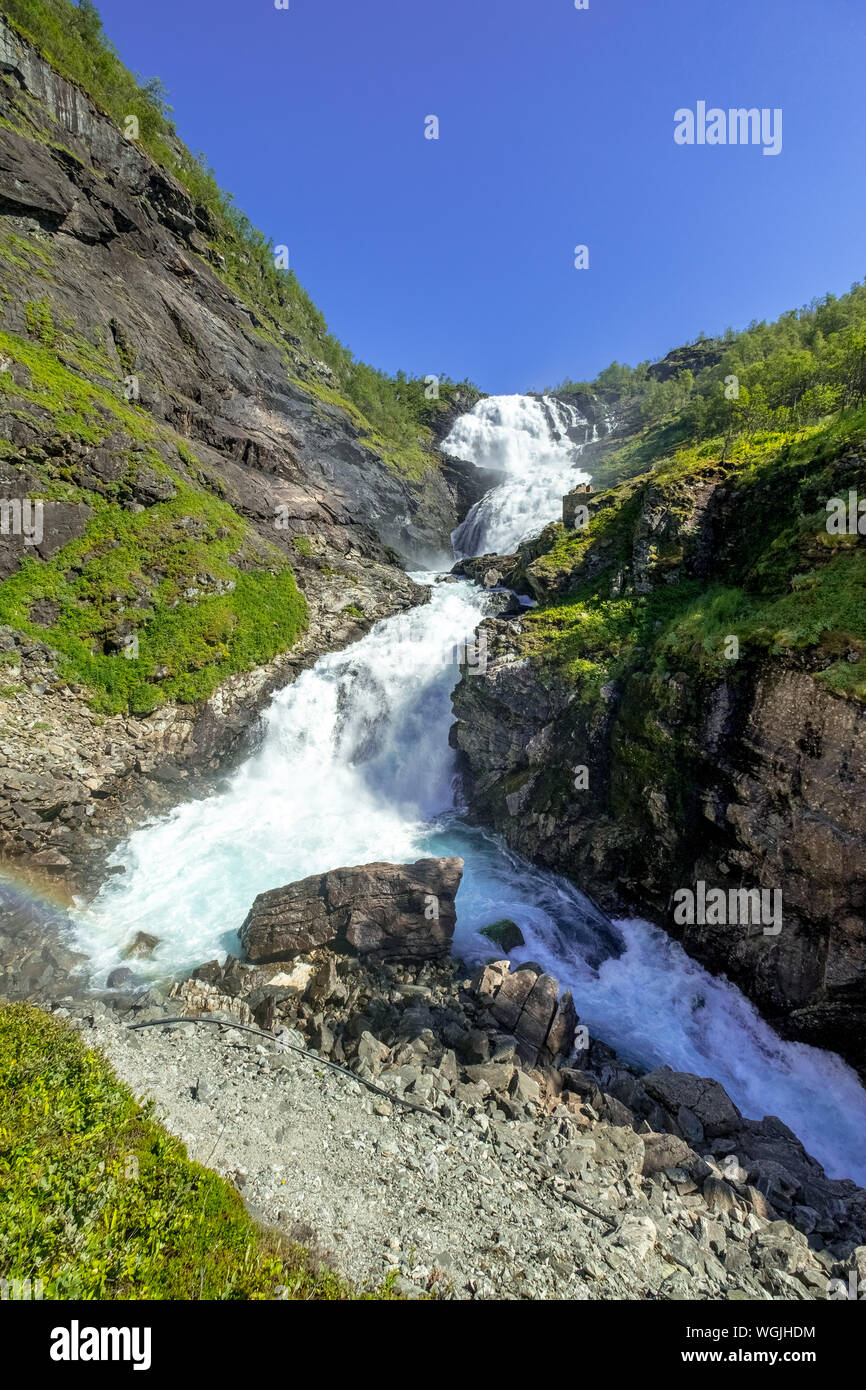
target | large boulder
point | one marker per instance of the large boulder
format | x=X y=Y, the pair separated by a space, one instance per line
x=527 y=1004
x=704 y=1098
x=382 y=911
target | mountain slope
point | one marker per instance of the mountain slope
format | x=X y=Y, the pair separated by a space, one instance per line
x=200 y=488
x=686 y=702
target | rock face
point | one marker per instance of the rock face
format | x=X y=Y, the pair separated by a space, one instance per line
x=747 y=776
x=384 y=911
x=526 y=1005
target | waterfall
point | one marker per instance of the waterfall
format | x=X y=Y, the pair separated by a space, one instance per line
x=535 y=442
x=355 y=766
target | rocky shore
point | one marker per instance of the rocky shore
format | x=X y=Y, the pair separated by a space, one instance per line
x=508 y=1158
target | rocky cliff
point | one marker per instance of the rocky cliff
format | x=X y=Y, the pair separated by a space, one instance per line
x=685 y=705
x=192 y=508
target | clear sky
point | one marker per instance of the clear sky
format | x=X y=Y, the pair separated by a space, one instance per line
x=556 y=129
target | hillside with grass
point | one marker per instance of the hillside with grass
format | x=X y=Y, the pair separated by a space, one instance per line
x=687 y=698
x=206 y=457
x=99 y=1201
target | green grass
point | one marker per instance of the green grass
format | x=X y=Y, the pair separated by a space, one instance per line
x=149 y=558
x=99 y=1201
x=156 y=573
x=88 y=410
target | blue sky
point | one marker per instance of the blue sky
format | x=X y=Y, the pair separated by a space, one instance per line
x=556 y=129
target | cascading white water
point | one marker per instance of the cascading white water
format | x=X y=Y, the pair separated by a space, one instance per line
x=531 y=441
x=355 y=766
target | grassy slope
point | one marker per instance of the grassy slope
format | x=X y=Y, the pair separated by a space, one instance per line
x=99 y=1201
x=135 y=568
x=786 y=588
x=393 y=413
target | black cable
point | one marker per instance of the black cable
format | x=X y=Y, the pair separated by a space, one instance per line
x=293 y=1047
x=344 y=1071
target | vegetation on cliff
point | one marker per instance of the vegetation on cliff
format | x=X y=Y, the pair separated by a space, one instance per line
x=98 y=1200
x=395 y=414
x=716 y=527
x=125 y=585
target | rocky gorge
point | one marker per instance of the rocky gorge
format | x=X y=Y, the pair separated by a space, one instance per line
x=487 y=1159
x=664 y=764
x=353 y=862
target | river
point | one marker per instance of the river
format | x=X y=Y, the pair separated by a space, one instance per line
x=355 y=766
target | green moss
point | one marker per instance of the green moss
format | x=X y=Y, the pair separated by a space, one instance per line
x=39 y=321
x=99 y=1201
x=24 y=256
x=505 y=934
x=201 y=593
x=86 y=410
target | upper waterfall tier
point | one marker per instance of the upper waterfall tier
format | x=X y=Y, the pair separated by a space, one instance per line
x=535 y=442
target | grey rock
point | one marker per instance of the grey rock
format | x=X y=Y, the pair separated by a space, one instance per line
x=386 y=911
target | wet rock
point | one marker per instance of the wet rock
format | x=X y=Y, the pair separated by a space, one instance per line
x=505 y=934
x=141 y=947
x=704 y=1098
x=384 y=911
x=122 y=978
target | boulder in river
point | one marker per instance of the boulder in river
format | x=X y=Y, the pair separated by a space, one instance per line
x=505 y=934
x=382 y=911
x=141 y=946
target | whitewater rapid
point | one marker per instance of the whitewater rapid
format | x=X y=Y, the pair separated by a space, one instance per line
x=535 y=444
x=354 y=765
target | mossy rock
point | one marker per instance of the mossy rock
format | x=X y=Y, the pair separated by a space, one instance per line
x=505 y=934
